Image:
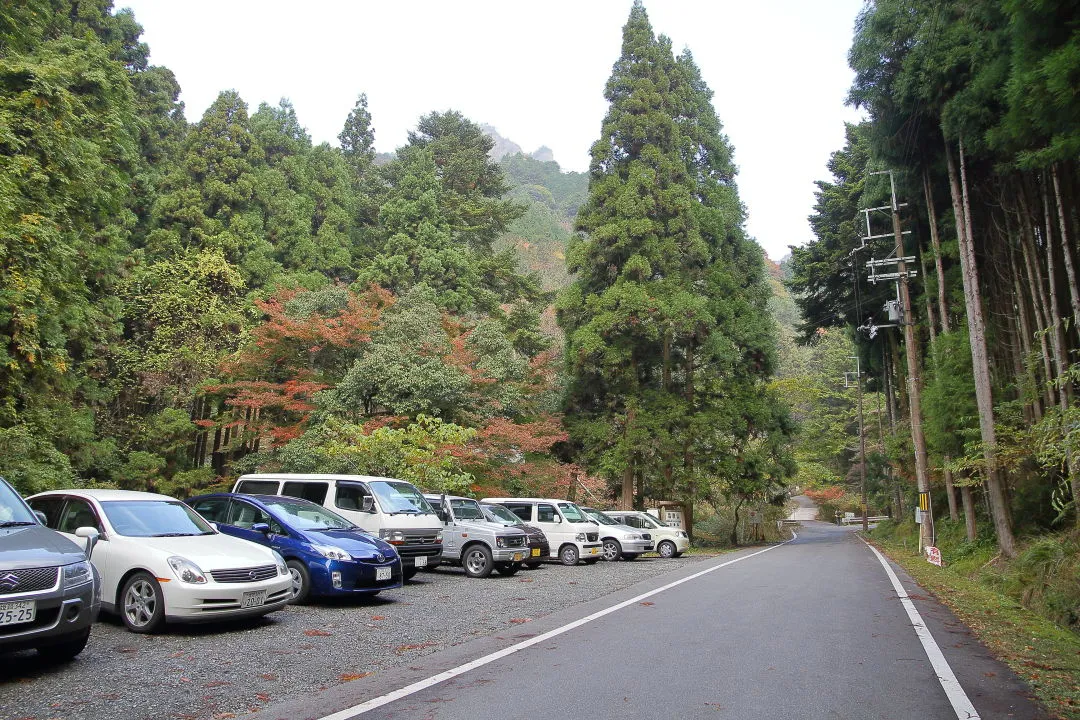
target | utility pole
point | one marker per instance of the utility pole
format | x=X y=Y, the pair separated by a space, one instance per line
x=862 y=443
x=914 y=379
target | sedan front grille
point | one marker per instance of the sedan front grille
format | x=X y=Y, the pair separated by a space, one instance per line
x=15 y=582
x=593 y=537
x=244 y=575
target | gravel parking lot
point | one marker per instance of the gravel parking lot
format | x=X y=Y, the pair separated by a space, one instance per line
x=213 y=672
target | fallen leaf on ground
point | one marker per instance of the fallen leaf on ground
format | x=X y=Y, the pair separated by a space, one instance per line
x=349 y=677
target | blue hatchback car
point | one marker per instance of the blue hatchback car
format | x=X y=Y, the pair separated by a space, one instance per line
x=326 y=554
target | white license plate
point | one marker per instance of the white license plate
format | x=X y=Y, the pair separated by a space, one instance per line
x=14 y=613
x=382 y=574
x=255 y=598
x=518 y=557
x=593 y=551
x=420 y=561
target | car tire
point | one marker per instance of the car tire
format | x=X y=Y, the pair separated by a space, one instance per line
x=508 y=569
x=408 y=573
x=66 y=650
x=477 y=561
x=568 y=555
x=630 y=556
x=301 y=582
x=142 y=604
x=676 y=555
x=612 y=549
x=666 y=549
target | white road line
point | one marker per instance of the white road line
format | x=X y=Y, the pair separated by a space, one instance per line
x=419 y=685
x=959 y=699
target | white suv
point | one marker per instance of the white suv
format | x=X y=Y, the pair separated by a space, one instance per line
x=669 y=542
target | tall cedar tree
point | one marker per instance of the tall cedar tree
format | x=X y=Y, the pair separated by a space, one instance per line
x=660 y=261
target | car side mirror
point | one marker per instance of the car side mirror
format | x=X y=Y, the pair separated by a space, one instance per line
x=367 y=504
x=441 y=514
x=41 y=518
x=263 y=528
x=91 y=535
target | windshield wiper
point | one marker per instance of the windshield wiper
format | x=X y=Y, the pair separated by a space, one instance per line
x=173 y=534
x=16 y=523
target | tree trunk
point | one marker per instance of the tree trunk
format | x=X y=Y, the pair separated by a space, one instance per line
x=980 y=363
x=969 y=512
x=1040 y=302
x=935 y=241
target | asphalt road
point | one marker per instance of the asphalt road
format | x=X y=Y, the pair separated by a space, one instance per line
x=809 y=629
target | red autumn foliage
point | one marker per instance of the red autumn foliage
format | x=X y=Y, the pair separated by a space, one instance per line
x=826 y=494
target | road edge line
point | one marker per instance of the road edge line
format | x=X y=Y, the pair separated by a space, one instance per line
x=394 y=695
x=953 y=690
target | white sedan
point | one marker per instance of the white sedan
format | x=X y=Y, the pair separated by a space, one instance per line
x=159 y=560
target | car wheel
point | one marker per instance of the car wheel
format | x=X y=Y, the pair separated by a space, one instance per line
x=477 y=561
x=568 y=555
x=666 y=548
x=675 y=555
x=630 y=556
x=301 y=582
x=508 y=569
x=142 y=603
x=408 y=573
x=65 y=650
x=612 y=549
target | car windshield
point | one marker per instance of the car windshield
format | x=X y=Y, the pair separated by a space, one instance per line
x=154 y=518
x=498 y=513
x=12 y=510
x=400 y=497
x=573 y=513
x=600 y=517
x=465 y=509
x=307 y=515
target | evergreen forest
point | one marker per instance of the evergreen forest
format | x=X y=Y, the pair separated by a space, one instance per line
x=183 y=302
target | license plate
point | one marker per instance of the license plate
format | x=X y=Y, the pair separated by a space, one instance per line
x=518 y=557
x=255 y=598
x=420 y=561
x=593 y=551
x=536 y=552
x=14 y=613
x=382 y=574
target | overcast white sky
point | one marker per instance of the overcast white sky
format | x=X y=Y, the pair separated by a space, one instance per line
x=533 y=69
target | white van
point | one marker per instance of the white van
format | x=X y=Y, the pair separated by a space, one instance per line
x=570 y=533
x=393 y=510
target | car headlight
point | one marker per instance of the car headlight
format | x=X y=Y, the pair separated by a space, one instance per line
x=78 y=573
x=395 y=537
x=186 y=570
x=438 y=537
x=634 y=536
x=332 y=552
x=282 y=568
x=580 y=537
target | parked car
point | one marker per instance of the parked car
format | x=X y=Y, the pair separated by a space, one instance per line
x=571 y=535
x=160 y=562
x=325 y=553
x=669 y=542
x=539 y=548
x=473 y=542
x=393 y=510
x=50 y=594
x=620 y=541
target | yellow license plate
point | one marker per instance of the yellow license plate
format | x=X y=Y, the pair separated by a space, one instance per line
x=536 y=552
x=594 y=550
x=518 y=557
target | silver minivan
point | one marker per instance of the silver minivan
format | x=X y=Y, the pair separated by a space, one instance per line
x=620 y=541
x=473 y=542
